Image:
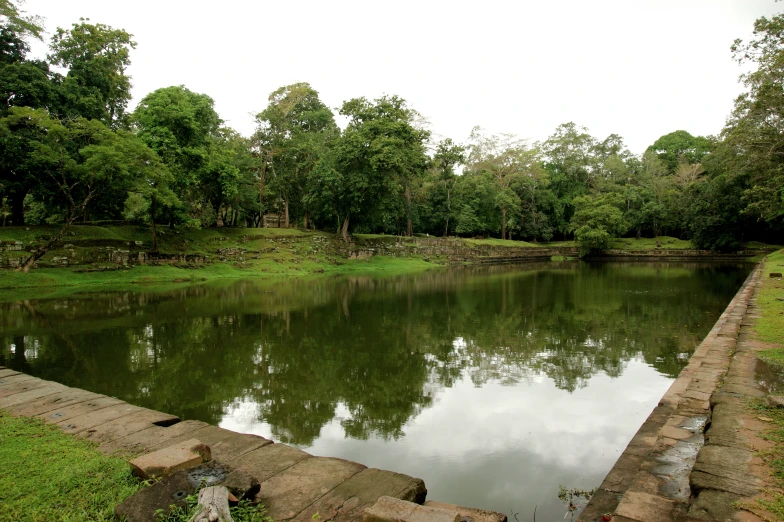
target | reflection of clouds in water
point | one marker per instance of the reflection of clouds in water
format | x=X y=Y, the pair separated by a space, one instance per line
x=482 y=446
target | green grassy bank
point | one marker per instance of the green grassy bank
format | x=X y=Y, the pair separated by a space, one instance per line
x=50 y=475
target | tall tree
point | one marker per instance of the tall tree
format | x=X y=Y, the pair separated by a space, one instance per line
x=375 y=158
x=97 y=57
x=292 y=134
x=16 y=20
x=181 y=126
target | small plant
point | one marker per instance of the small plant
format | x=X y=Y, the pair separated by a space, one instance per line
x=575 y=499
x=244 y=511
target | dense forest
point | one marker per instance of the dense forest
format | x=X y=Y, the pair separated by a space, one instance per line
x=71 y=151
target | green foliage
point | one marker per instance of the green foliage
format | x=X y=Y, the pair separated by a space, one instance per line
x=680 y=146
x=14 y=19
x=97 y=57
x=596 y=221
x=244 y=511
x=50 y=475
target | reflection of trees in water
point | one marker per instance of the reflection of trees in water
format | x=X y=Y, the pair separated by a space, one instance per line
x=379 y=347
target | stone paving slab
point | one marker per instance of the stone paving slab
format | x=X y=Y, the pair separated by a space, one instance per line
x=35 y=393
x=129 y=425
x=14 y=385
x=52 y=402
x=145 y=440
x=5 y=372
x=348 y=501
x=269 y=460
x=89 y=420
x=288 y=493
x=477 y=515
x=226 y=445
x=74 y=410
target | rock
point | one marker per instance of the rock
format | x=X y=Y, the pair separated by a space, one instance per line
x=169 y=491
x=775 y=401
x=239 y=482
x=388 y=509
x=775 y=274
x=172 y=490
x=166 y=461
x=780 y=299
x=475 y=515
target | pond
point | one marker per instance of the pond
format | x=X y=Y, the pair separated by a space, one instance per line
x=493 y=384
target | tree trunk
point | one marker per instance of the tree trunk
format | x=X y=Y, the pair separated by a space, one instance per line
x=344 y=230
x=410 y=227
x=214 y=505
x=286 y=206
x=305 y=220
x=261 y=191
x=152 y=221
x=448 y=211
x=17 y=208
x=41 y=252
x=503 y=222
x=85 y=214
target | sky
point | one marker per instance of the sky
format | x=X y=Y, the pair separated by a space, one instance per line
x=637 y=68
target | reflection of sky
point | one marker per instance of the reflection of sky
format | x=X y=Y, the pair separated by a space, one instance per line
x=501 y=447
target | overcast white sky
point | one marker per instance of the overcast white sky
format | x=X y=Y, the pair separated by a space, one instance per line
x=638 y=68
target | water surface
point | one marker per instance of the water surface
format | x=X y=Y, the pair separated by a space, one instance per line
x=493 y=384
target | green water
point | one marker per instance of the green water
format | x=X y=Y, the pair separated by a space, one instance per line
x=493 y=384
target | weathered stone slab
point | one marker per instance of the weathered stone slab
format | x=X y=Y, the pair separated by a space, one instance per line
x=16 y=378
x=20 y=386
x=96 y=418
x=169 y=491
x=267 y=461
x=129 y=425
x=146 y=440
x=601 y=502
x=725 y=469
x=291 y=491
x=184 y=455
x=48 y=403
x=75 y=410
x=645 y=507
x=389 y=509
x=477 y=515
x=226 y=445
x=348 y=501
x=714 y=505
x=5 y=372
x=30 y=395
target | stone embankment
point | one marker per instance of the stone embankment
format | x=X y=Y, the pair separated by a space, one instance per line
x=84 y=253
x=694 y=458
x=292 y=484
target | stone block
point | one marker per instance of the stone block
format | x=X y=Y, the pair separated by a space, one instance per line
x=226 y=445
x=146 y=440
x=477 y=515
x=62 y=413
x=170 y=491
x=92 y=419
x=169 y=460
x=348 y=501
x=286 y=494
x=52 y=402
x=775 y=401
x=645 y=507
x=270 y=460
x=389 y=509
x=129 y=425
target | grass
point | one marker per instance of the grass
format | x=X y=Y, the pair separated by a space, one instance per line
x=501 y=242
x=49 y=475
x=770 y=326
x=652 y=243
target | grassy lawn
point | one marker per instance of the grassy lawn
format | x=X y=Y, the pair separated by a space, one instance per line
x=770 y=327
x=651 y=243
x=501 y=242
x=49 y=475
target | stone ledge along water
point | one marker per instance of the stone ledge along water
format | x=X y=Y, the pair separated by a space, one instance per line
x=294 y=485
x=655 y=476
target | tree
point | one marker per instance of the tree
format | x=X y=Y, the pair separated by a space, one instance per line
x=507 y=160
x=442 y=167
x=81 y=158
x=97 y=57
x=181 y=126
x=292 y=134
x=597 y=220
x=15 y=20
x=755 y=131
x=375 y=157
x=22 y=83
x=680 y=147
